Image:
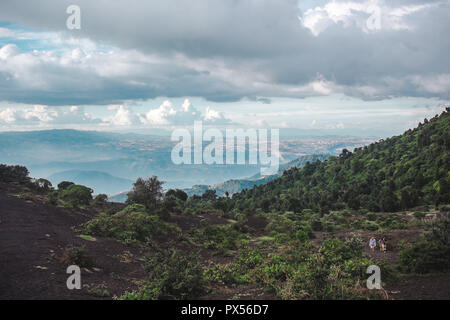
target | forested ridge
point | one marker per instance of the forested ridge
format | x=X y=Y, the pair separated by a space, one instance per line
x=389 y=175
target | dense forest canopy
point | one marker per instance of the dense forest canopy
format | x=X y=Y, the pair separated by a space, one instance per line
x=390 y=175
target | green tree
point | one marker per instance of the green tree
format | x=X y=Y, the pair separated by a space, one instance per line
x=64 y=185
x=147 y=192
x=177 y=193
x=13 y=173
x=77 y=195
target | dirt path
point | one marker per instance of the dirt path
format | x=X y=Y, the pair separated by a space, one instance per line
x=435 y=287
x=33 y=237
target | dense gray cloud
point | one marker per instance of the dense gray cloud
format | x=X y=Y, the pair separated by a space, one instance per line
x=202 y=28
x=227 y=50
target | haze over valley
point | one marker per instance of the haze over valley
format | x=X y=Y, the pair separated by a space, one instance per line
x=110 y=162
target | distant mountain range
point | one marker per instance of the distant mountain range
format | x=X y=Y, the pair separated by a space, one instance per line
x=237 y=185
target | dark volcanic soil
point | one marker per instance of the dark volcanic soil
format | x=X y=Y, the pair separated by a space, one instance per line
x=436 y=287
x=33 y=238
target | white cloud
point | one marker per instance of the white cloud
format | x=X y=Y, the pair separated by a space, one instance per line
x=368 y=15
x=120 y=116
x=8 y=51
x=123 y=116
x=8 y=115
x=45 y=116
x=167 y=114
x=214 y=117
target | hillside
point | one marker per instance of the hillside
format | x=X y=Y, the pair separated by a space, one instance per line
x=39 y=240
x=393 y=174
x=120 y=197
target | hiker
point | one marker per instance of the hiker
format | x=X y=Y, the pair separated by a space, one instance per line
x=372 y=243
x=382 y=243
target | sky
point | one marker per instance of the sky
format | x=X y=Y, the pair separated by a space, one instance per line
x=356 y=67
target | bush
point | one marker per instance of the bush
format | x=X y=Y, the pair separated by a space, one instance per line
x=355 y=244
x=301 y=235
x=13 y=173
x=226 y=274
x=370 y=225
x=100 y=200
x=76 y=195
x=317 y=280
x=179 y=194
x=64 y=185
x=425 y=257
x=129 y=225
x=218 y=238
x=42 y=185
x=419 y=215
x=171 y=276
x=336 y=250
x=52 y=198
x=432 y=254
x=392 y=221
x=316 y=225
x=77 y=256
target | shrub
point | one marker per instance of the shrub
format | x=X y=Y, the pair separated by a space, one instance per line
x=432 y=254
x=317 y=280
x=301 y=235
x=77 y=195
x=171 y=276
x=218 y=238
x=42 y=185
x=336 y=250
x=316 y=225
x=371 y=216
x=392 y=221
x=419 y=215
x=64 y=185
x=370 y=225
x=355 y=244
x=13 y=173
x=226 y=274
x=131 y=224
x=52 y=198
x=425 y=257
x=100 y=200
x=77 y=256
x=179 y=194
